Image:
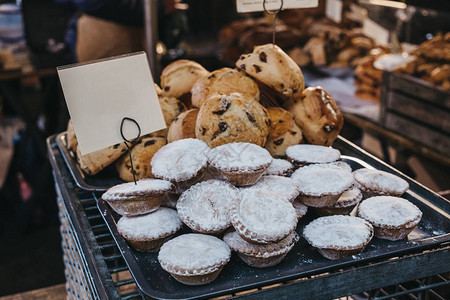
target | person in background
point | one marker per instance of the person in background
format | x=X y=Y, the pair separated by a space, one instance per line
x=104 y=28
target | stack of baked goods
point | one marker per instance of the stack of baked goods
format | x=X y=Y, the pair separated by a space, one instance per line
x=367 y=77
x=332 y=46
x=234 y=172
x=431 y=61
x=228 y=200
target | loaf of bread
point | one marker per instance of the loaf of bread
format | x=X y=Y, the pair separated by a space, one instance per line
x=318 y=116
x=231 y=118
x=224 y=81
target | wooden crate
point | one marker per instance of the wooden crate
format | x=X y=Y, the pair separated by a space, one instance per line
x=417 y=110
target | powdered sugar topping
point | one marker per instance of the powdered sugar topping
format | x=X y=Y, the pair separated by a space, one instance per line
x=180 y=160
x=321 y=179
x=344 y=232
x=277 y=184
x=143 y=186
x=157 y=224
x=376 y=180
x=389 y=211
x=239 y=157
x=280 y=167
x=305 y=153
x=206 y=205
x=194 y=254
x=264 y=213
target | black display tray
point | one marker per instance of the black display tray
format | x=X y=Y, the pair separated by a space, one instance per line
x=100 y=182
x=301 y=261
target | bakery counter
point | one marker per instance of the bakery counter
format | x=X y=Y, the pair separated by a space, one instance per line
x=96 y=269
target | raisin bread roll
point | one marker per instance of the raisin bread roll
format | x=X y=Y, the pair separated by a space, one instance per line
x=283 y=132
x=270 y=65
x=94 y=162
x=224 y=81
x=225 y=119
x=71 y=138
x=178 y=77
x=183 y=127
x=318 y=116
x=171 y=107
x=141 y=153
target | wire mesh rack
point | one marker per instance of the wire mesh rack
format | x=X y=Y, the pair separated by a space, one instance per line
x=95 y=269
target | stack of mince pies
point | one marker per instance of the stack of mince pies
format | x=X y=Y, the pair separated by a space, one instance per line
x=240 y=176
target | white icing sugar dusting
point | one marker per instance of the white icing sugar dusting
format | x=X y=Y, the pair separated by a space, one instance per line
x=388 y=211
x=239 y=157
x=194 y=251
x=280 y=167
x=349 y=197
x=180 y=160
x=237 y=243
x=321 y=179
x=207 y=204
x=277 y=184
x=300 y=208
x=341 y=164
x=157 y=224
x=377 y=180
x=266 y=213
x=143 y=186
x=305 y=153
x=338 y=231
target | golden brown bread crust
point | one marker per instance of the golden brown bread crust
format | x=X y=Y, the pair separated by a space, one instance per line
x=225 y=119
x=94 y=162
x=270 y=65
x=317 y=115
x=183 y=126
x=178 y=77
x=283 y=132
x=224 y=81
x=142 y=153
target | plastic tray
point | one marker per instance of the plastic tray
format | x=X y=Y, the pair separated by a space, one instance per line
x=301 y=261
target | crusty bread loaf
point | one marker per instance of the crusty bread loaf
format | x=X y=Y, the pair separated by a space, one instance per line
x=225 y=119
x=183 y=127
x=317 y=115
x=270 y=65
x=178 y=77
x=141 y=153
x=283 y=131
x=224 y=81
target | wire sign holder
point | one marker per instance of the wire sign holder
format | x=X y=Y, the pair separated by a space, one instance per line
x=125 y=140
x=275 y=14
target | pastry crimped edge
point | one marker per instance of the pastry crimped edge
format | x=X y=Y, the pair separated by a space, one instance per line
x=336 y=252
x=249 y=235
x=184 y=216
